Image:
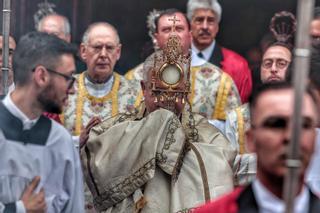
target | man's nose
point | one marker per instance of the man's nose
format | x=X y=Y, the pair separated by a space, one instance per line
x=71 y=90
x=103 y=52
x=274 y=68
x=287 y=134
x=204 y=24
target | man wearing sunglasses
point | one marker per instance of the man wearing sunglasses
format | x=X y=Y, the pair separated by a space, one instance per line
x=37 y=153
x=269 y=137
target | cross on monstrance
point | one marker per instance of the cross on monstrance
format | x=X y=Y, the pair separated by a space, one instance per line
x=174 y=20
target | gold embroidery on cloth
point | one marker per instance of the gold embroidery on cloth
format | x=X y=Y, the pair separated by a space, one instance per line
x=193 y=82
x=240 y=130
x=83 y=93
x=222 y=96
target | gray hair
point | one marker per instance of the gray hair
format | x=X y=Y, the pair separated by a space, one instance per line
x=203 y=4
x=66 y=24
x=85 y=37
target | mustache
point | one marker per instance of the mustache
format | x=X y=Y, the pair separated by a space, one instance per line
x=204 y=33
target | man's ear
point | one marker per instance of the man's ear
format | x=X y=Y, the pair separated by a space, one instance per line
x=143 y=86
x=41 y=76
x=119 y=52
x=250 y=141
x=83 y=51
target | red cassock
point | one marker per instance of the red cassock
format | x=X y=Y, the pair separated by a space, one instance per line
x=242 y=200
x=52 y=116
x=236 y=66
x=225 y=204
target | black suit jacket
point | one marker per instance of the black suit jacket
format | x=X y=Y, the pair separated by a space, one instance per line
x=248 y=204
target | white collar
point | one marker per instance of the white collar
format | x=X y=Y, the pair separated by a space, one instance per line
x=268 y=202
x=13 y=109
x=207 y=52
x=196 y=60
x=99 y=90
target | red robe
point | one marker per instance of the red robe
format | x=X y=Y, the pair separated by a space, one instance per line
x=225 y=204
x=242 y=200
x=52 y=116
x=236 y=66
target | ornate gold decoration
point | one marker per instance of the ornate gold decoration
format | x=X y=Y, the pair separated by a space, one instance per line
x=222 y=96
x=240 y=130
x=84 y=94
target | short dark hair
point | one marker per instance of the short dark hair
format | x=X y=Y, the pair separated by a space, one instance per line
x=38 y=48
x=276 y=86
x=169 y=12
x=314 y=74
x=316 y=13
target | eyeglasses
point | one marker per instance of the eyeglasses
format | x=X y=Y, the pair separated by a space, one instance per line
x=98 y=48
x=280 y=63
x=68 y=78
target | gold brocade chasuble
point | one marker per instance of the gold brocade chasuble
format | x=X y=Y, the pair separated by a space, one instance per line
x=82 y=107
x=213 y=92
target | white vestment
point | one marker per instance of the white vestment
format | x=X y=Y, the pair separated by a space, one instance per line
x=24 y=155
x=148 y=165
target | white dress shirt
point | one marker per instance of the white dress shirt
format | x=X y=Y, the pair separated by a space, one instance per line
x=207 y=52
x=269 y=203
x=313 y=173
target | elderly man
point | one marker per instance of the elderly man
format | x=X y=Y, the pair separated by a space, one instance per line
x=205 y=17
x=213 y=92
x=269 y=137
x=164 y=158
x=57 y=25
x=99 y=91
x=12 y=47
x=31 y=144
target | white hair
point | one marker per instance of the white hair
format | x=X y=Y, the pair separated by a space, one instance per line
x=204 y=4
x=66 y=24
x=85 y=37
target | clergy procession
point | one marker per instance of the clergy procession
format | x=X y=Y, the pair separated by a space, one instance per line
x=193 y=128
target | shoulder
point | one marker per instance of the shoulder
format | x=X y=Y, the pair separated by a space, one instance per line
x=207 y=65
x=59 y=134
x=110 y=122
x=227 y=53
x=131 y=74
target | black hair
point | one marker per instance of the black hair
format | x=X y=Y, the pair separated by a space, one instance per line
x=38 y=48
x=316 y=13
x=276 y=86
x=169 y=12
x=314 y=74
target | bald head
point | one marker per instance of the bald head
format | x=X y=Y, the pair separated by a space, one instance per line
x=97 y=27
x=100 y=50
x=57 y=25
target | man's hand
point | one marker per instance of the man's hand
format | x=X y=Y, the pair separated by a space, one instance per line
x=34 y=202
x=84 y=136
